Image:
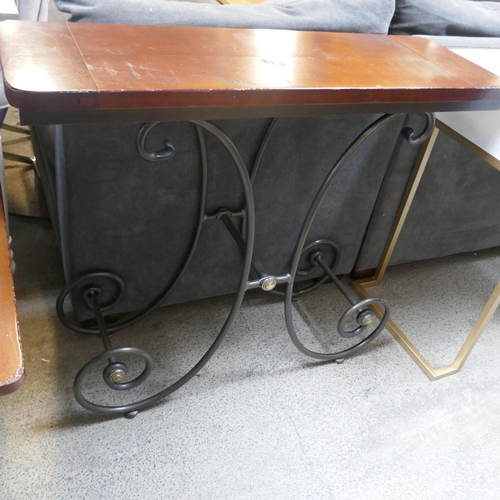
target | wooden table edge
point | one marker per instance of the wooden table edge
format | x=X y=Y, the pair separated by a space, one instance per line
x=86 y=91
x=12 y=370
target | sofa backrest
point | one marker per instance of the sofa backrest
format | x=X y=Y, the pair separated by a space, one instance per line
x=360 y=16
x=446 y=18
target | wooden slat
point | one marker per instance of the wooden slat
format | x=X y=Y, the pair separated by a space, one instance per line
x=113 y=67
x=11 y=356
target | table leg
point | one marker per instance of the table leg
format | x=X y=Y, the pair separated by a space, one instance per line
x=307 y=260
x=314 y=255
x=362 y=286
x=92 y=289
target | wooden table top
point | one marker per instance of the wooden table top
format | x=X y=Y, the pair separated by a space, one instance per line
x=11 y=355
x=213 y=72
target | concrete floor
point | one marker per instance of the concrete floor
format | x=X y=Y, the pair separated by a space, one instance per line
x=261 y=421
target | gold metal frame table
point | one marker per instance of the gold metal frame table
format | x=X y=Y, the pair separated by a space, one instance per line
x=480 y=133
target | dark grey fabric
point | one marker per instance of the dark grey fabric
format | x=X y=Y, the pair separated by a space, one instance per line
x=43 y=141
x=33 y=10
x=389 y=198
x=455 y=209
x=446 y=18
x=136 y=218
x=362 y=16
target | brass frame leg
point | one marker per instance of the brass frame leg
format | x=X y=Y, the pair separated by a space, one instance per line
x=362 y=286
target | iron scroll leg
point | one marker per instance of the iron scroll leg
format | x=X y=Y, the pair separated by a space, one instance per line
x=313 y=254
x=115 y=373
x=359 y=308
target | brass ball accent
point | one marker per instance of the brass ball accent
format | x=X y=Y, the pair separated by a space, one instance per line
x=366 y=317
x=117 y=376
x=269 y=283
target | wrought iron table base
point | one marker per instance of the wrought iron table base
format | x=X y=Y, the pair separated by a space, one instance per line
x=253 y=274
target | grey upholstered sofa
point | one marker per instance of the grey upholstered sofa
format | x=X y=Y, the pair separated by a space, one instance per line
x=114 y=211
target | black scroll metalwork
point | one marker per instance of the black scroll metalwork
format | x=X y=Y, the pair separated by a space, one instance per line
x=364 y=316
x=415 y=139
x=359 y=308
x=308 y=259
x=162 y=154
x=115 y=371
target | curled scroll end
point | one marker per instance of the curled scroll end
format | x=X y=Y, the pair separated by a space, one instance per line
x=162 y=154
x=414 y=138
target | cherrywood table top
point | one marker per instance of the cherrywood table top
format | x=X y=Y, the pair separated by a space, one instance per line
x=11 y=356
x=60 y=70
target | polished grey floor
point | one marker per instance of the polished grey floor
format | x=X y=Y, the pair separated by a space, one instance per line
x=261 y=421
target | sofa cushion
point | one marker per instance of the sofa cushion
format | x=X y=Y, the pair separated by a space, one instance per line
x=446 y=18
x=33 y=10
x=362 y=16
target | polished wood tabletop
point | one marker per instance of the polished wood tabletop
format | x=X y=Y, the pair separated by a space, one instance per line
x=11 y=356
x=67 y=68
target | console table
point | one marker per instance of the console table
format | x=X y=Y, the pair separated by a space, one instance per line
x=59 y=73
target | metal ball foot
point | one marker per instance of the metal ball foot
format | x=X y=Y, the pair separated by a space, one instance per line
x=114 y=372
x=364 y=317
x=323 y=254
